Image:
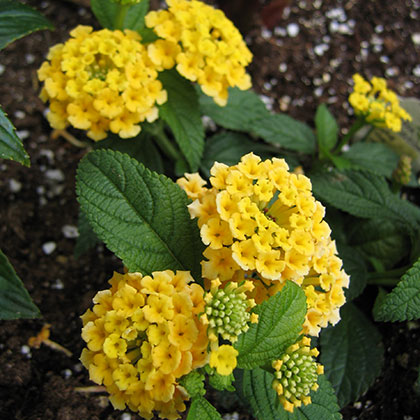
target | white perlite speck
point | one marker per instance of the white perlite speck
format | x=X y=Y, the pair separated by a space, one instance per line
x=49 y=247
x=416 y=38
x=125 y=416
x=292 y=29
x=54 y=175
x=14 y=185
x=70 y=231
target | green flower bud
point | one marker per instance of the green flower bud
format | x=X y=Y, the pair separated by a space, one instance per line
x=296 y=374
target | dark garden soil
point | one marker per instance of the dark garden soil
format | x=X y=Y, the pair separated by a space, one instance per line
x=306 y=59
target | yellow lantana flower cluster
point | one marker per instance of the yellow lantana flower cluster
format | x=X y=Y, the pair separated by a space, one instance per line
x=204 y=45
x=377 y=104
x=262 y=222
x=101 y=81
x=142 y=335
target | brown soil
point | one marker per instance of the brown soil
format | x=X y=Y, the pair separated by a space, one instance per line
x=295 y=73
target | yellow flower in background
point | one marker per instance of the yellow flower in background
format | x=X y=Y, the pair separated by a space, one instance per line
x=377 y=104
x=203 y=44
x=142 y=336
x=261 y=222
x=101 y=81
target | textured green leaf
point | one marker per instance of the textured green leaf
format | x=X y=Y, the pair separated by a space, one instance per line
x=15 y=301
x=381 y=239
x=326 y=128
x=141 y=148
x=355 y=267
x=403 y=303
x=228 y=147
x=18 y=20
x=10 y=144
x=194 y=384
x=182 y=113
x=286 y=132
x=242 y=109
x=106 y=11
x=201 y=409
x=352 y=354
x=87 y=238
x=256 y=390
x=140 y=215
x=374 y=157
x=279 y=325
x=365 y=195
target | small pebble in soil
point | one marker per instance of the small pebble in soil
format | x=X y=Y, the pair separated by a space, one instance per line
x=282 y=67
x=231 y=416
x=268 y=101
x=292 y=29
x=265 y=33
x=23 y=134
x=19 y=115
x=29 y=58
x=26 y=350
x=14 y=185
x=321 y=49
x=357 y=405
x=58 y=285
x=416 y=70
x=416 y=38
x=49 y=247
x=54 y=175
x=67 y=373
x=125 y=416
x=78 y=367
x=70 y=231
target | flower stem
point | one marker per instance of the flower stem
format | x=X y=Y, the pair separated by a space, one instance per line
x=358 y=124
x=387 y=278
x=167 y=147
x=120 y=16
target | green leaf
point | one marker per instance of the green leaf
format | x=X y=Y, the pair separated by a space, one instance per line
x=201 y=409
x=256 y=390
x=18 y=20
x=220 y=382
x=228 y=147
x=286 y=132
x=242 y=109
x=182 y=113
x=279 y=325
x=106 y=12
x=87 y=238
x=15 y=301
x=365 y=195
x=381 y=239
x=352 y=354
x=374 y=157
x=194 y=384
x=326 y=128
x=142 y=148
x=140 y=215
x=355 y=267
x=403 y=303
x=10 y=144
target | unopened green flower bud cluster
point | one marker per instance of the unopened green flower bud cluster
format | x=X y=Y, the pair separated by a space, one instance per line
x=227 y=310
x=296 y=374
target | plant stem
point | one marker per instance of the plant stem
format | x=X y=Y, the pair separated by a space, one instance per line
x=120 y=16
x=387 y=278
x=358 y=124
x=159 y=135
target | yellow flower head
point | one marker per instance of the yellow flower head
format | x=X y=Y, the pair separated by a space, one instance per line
x=377 y=104
x=223 y=359
x=203 y=44
x=296 y=374
x=148 y=338
x=101 y=81
x=262 y=220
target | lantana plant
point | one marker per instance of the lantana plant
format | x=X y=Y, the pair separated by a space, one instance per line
x=246 y=256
